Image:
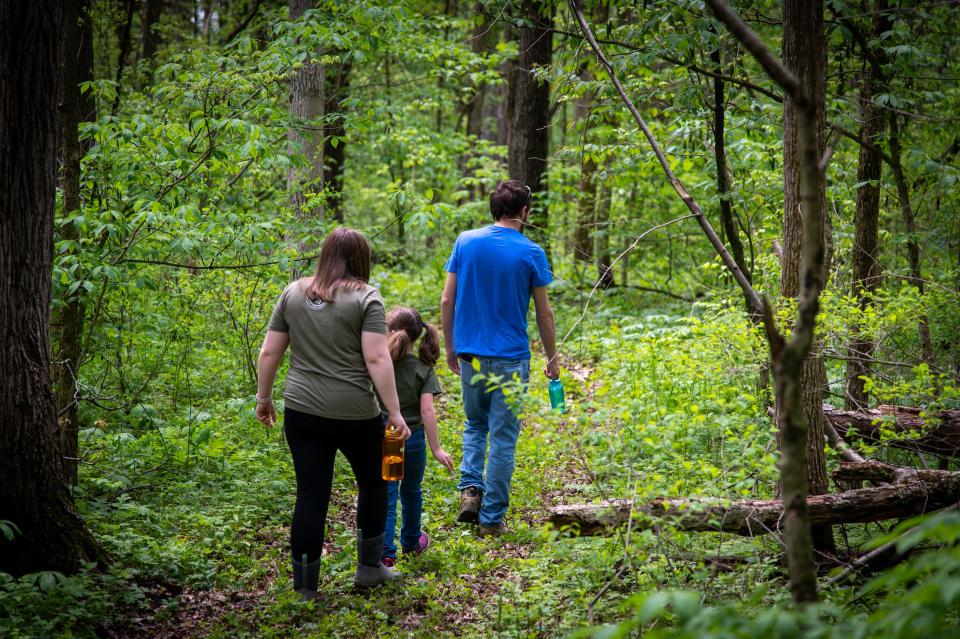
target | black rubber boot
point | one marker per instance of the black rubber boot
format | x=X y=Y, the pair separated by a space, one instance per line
x=306 y=576
x=370 y=570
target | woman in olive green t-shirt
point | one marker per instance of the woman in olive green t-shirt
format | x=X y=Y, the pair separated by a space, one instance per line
x=335 y=326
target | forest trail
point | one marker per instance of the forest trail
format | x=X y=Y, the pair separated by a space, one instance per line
x=266 y=606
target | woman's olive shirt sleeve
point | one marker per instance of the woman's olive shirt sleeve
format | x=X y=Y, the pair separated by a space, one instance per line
x=277 y=321
x=374 y=317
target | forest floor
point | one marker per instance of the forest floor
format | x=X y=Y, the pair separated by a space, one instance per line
x=193 y=498
x=463 y=585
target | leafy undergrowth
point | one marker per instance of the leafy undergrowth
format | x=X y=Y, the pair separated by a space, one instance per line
x=194 y=504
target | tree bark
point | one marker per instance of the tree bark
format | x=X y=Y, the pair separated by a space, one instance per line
x=529 y=133
x=938 y=434
x=911 y=493
x=805 y=55
x=152 y=10
x=123 y=35
x=601 y=238
x=334 y=153
x=34 y=493
x=866 y=265
x=910 y=223
x=76 y=66
x=306 y=134
x=727 y=220
x=507 y=69
x=789 y=358
x=476 y=105
x=587 y=200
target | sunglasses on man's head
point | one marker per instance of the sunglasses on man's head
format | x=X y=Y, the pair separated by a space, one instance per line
x=529 y=194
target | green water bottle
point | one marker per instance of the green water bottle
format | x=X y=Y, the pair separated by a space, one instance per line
x=555 y=389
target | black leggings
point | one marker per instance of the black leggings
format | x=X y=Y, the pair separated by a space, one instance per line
x=314 y=442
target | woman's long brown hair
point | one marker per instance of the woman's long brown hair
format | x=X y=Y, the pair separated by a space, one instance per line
x=405 y=326
x=344 y=263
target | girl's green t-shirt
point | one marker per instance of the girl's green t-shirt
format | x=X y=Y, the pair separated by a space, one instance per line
x=414 y=378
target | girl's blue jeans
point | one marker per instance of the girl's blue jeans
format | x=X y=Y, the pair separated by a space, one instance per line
x=410 y=491
x=489 y=416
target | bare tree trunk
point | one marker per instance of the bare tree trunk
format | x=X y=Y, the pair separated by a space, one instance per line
x=479 y=45
x=505 y=104
x=727 y=220
x=605 y=274
x=804 y=49
x=76 y=66
x=909 y=221
x=123 y=33
x=34 y=493
x=866 y=267
x=478 y=106
x=152 y=10
x=306 y=135
x=587 y=200
x=529 y=136
x=804 y=54
x=334 y=144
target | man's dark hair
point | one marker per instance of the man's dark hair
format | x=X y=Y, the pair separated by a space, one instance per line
x=509 y=198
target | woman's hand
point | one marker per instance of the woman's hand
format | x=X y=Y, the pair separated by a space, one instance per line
x=397 y=422
x=444 y=458
x=266 y=413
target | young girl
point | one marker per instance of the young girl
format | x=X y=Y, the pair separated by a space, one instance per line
x=416 y=385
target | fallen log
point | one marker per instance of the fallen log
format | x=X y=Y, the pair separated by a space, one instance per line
x=938 y=435
x=909 y=493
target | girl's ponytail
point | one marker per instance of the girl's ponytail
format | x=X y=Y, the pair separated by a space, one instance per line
x=398 y=344
x=429 y=351
x=406 y=326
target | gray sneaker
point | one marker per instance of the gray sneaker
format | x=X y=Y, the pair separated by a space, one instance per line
x=470 y=499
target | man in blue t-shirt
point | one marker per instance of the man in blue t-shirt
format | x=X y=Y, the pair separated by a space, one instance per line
x=491 y=275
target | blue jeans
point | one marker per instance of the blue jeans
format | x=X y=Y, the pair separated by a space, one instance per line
x=488 y=415
x=411 y=496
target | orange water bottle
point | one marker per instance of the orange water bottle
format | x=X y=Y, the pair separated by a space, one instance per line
x=392 y=465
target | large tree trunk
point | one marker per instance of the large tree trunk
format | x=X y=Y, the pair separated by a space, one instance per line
x=480 y=108
x=152 y=10
x=334 y=144
x=529 y=134
x=907 y=494
x=76 y=66
x=804 y=53
x=306 y=136
x=866 y=266
x=480 y=46
x=33 y=490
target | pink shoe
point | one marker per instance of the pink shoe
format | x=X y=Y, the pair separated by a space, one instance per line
x=423 y=542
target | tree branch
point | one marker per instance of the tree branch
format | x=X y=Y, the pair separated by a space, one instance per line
x=738 y=275
x=243 y=24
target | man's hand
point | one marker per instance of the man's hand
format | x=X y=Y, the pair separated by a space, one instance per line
x=453 y=362
x=552 y=369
